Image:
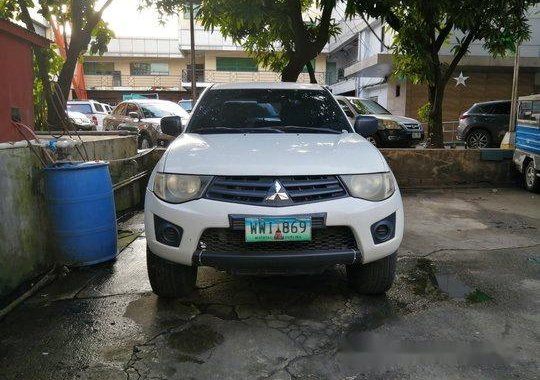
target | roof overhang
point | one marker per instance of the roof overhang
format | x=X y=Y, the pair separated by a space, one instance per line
x=23 y=34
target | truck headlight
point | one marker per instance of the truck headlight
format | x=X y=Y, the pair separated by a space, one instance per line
x=178 y=188
x=372 y=187
x=389 y=124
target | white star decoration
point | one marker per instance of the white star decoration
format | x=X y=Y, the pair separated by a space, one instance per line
x=461 y=79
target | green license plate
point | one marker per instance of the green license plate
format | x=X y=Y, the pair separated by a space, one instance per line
x=268 y=228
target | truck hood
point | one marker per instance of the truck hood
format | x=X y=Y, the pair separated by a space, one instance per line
x=273 y=154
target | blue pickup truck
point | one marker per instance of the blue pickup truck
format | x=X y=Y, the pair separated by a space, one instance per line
x=527 y=153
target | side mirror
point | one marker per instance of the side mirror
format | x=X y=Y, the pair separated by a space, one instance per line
x=171 y=125
x=366 y=125
x=134 y=115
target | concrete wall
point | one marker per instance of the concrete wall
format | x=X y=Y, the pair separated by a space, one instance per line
x=24 y=252
x=26 y=244
x=439 y=168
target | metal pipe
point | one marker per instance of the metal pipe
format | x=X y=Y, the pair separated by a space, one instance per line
x=192 y=41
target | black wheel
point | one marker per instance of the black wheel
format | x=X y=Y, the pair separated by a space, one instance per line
x=373 y=278
x=168 y=279
x=478 y=138
x=144 y=141
x=530 y=178
x=374 y=140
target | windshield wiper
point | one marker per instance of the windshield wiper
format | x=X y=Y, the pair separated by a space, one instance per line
x=300 y=129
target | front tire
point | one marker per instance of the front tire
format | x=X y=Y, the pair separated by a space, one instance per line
x=373 y=278
x=478 y=139
x=168 y=279
x=530 y=178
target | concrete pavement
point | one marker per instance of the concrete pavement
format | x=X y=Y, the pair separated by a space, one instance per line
x=465 y=305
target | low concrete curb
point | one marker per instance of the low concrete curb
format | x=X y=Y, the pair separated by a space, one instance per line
x=436 y=168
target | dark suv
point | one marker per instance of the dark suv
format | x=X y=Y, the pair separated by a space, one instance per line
x=484 y=124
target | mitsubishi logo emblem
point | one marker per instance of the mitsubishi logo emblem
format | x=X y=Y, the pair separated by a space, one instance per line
x=276 y=193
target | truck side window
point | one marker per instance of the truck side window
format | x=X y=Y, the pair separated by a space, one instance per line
x=525 y=110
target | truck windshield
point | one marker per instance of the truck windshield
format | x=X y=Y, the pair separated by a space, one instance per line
x=368 y=107
x=268 y=111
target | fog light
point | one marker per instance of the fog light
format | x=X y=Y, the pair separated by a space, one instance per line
x=167 y=233
x=384 y=229
x=381 y=231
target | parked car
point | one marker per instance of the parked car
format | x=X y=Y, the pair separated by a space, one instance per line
x=186 y=104
x=527 y=153
x=393 y=130
x=80 y=122
x=144 y=115
x=296 y=192
x=92 y=109
x=484 y=124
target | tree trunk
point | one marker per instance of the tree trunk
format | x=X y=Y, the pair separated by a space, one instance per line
x=43 y=70
x=291 y=72
x=436 y=95
x=311 y=72
x=62 y=91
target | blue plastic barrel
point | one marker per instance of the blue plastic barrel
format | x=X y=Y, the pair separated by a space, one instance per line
x=81 y=210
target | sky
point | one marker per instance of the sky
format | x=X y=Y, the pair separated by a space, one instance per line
x=126 y=20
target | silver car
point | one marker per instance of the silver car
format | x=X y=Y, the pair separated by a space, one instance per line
x=393 y=130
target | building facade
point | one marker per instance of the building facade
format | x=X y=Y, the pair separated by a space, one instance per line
x=364 y=68
x=163 y=66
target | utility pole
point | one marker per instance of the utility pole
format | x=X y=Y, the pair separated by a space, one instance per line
x=192 y=38
x=511 y=141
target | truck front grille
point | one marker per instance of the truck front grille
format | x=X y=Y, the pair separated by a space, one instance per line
x=331 y=238
x=255 y=190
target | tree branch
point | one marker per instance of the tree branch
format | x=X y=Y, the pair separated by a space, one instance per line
x=443 y=33
x=324 y=24
x=300 y=34
x=457 y=57
x=373 y=31
x=25 y=15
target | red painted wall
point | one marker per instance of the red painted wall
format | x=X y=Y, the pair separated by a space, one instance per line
x=16 y=77
x=16 y=83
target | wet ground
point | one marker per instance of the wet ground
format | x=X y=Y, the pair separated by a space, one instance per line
x=465 y=305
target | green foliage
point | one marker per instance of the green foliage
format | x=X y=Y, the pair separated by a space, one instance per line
x=101 y=36
x=423 y=112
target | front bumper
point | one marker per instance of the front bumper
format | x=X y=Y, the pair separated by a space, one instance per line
x=196 y=216
x=401 y=136
x=293 y=262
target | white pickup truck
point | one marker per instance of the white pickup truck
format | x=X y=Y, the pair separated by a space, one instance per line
x=271 y=178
